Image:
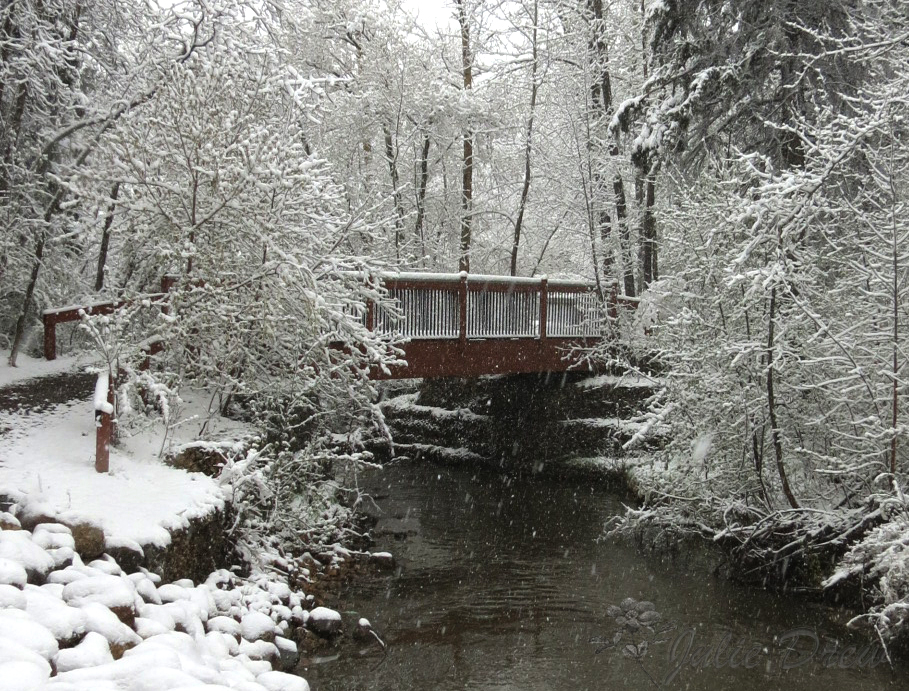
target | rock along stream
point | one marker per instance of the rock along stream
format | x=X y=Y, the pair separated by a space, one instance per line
x=501 y=583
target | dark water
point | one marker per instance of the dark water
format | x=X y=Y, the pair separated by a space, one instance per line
x=503 y=585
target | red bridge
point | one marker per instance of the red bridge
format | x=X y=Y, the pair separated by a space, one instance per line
x=467 y=325
x=461 y=325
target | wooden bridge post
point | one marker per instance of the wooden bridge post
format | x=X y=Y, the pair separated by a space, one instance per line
x=462 y=304
x=104 y=422
x=50 y=336
x=544 y=306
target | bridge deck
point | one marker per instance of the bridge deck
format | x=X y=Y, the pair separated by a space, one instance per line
x=461 y=325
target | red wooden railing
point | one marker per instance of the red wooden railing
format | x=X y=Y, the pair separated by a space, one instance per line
x=465 y=306
x=465 y=325
x=459 y=324
x=62 y=315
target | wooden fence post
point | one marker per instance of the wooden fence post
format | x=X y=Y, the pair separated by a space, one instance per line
x=50 y=336
x=462 y=304
x=544 y=306
x=104 y=422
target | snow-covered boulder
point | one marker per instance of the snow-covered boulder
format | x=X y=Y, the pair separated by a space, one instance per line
x=100 y=619
x=279 y=681
x=17 y=546
x=19 y=627
x=11 y=597
x=23 y=675
x=94 y=650
x=12 y=573
x=116 y=593
x=65 y=623
x=257 y=626
x=324 y=622
x=288 y=654
x=9 y=522
x=259 y=650
x=88 y=538
x=225 y=625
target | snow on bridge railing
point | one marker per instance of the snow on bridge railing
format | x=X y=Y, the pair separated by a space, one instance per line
x=475 y=306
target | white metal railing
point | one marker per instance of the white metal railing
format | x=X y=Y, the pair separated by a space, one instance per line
x=461 y=306
x=572 y=314
x=503 y=314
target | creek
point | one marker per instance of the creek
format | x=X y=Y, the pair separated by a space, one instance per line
x=504 y=583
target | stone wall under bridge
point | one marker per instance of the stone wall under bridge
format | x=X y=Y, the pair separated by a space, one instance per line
x=562 y=422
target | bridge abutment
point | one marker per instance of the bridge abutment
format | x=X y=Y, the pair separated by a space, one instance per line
x=563 y=422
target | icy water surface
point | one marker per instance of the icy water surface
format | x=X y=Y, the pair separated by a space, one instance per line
x=502 y=584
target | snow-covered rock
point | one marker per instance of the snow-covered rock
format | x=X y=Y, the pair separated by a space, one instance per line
x=116 y=593
x=225 y=625
x=12 y=573
x=11 y=597
x=257 y=626
x=88 y=538
x=23 y=675
x=17 y=546
x=171 y=592
x=100 y=619
x=279 y=681
x=64 y=622
x=324 y=621
x=94 y=650
x=21 y=628
x=9 y=522
x=259 y=650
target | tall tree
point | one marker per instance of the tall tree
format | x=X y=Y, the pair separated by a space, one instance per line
x=467 y=160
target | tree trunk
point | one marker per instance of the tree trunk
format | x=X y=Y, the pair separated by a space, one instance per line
x=391 y=157
x=601 y=100
x=648 y=235
x=528 y=142
x=421 y=197
x=771 y=406
x=621 y=215
x=105 y=237
x=467 y=171
x=29 y=297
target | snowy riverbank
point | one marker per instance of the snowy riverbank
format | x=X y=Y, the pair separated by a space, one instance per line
x=71 y=616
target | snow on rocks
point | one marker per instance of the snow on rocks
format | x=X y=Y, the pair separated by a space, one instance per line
x=278 y=681
x=93 y=651
x=11 y=596
x=17 y=546
x=9 y=522
x=256 y=625
x=324 y=621
x=18 y=626
x=92 y=626
x=12 y=573
x=47 y=608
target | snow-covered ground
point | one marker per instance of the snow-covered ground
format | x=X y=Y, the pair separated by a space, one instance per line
x=47 y=468
x=28 y=367
x=66 y=624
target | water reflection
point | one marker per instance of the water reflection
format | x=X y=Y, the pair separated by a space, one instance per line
x=502 y=584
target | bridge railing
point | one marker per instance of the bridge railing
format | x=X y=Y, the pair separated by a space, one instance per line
x=471 y=306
